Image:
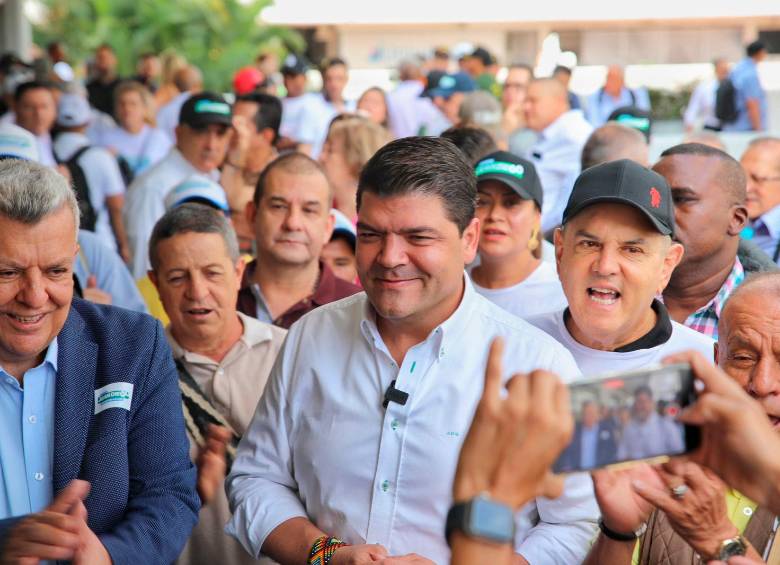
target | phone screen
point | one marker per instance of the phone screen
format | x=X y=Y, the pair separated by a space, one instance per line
x=628 y=417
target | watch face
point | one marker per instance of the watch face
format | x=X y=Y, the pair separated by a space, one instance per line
x=491 y=520
x=732 y=548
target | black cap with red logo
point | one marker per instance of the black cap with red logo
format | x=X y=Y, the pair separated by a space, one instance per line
x=624 y=182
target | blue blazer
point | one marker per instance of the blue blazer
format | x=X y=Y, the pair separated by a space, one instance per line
x=143 y=503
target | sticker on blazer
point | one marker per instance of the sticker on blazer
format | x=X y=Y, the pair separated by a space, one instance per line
x=114 y=395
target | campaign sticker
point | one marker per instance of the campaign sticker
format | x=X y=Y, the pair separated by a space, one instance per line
x=114 y=395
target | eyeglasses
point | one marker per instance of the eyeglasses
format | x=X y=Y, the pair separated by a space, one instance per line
x=763 y=180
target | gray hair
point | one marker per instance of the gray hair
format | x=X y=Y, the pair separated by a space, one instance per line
x=614 y=141
x=30 y=191
x=192 y=217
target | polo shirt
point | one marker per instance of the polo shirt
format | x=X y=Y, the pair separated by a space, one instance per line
x=329 y=289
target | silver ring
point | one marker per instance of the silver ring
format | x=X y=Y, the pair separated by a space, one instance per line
x=679 y=491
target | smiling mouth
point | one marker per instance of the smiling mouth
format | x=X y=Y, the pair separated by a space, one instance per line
x=26 y=319
x=604 y=296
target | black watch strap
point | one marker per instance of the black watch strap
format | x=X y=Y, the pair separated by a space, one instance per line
x=617 y=536
x=455 y=518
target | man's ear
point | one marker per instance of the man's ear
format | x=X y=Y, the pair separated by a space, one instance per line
x=268 y=135
x=738 y=220
x=250 y=212
x=470 y=239
x=153 y=277
x=558 y=241
x=673 y=257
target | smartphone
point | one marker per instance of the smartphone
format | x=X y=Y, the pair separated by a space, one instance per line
x=629 y=416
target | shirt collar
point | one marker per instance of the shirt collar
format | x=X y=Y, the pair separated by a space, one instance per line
x=771 y=220
x=560 y=125
x=50 y=359
x=735 y=278
x=658 y=335
x=254 y=332
x=447 y=332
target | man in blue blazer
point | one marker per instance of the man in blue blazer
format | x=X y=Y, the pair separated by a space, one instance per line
x=87 y=392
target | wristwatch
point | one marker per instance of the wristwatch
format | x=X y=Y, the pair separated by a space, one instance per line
x=482 y=518
x=731 y=547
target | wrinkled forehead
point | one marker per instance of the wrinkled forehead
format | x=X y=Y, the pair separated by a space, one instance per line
x=402 y=212
x=611 y=220
x=751 y=316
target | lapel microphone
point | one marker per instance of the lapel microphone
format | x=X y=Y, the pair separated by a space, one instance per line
x=393 y=394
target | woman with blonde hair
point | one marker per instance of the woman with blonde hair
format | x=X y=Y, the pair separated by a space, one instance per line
x=135 y=139
x=351 y=141
x=170 y=63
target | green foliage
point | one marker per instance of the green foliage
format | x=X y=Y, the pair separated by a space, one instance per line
x=669 y=105
x=218 y=36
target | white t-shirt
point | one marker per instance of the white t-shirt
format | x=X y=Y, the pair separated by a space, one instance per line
x=539 y=293
x=292 y=109
x=141 y=150
x=594 y=362
x=102 y=175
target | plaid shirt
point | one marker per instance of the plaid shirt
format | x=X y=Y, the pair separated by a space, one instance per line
x=705 y=319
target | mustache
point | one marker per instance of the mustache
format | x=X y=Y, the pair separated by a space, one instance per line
x=396 y=273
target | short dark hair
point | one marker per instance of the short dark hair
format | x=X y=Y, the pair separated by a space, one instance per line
x=105 y=45
x=474 y=143
x=560 y=69
x=25 y=87
x=732 y=175
x=292 y=162
x=423 y=165
x=192 y=217
x=269 y=112
x=332 y=62
x=755 y=48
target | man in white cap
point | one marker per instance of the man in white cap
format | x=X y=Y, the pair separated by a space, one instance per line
x=94 y=173
x=17 y=143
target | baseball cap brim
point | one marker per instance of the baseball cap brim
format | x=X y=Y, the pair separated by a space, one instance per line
x=570 y=213
x=205 y=120
x=510 y=182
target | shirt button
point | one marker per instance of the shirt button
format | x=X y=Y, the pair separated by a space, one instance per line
x=394 y=424
x=38 y=476
x=32 y=419
x=747 y=511
x=385 y=486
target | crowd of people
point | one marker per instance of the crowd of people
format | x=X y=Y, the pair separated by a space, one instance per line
x=279 y=326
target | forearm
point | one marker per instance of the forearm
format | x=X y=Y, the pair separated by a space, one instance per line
x=610 y=552
x=291 y=541
x=471 y=551
x=754 y=114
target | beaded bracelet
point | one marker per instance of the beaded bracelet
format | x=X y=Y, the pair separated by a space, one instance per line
x=323 y=549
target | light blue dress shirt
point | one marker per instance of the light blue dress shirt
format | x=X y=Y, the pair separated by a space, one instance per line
x=744 y=76
x=113 y=277
x=27 y=438
x=601 y=104
x=766 y=232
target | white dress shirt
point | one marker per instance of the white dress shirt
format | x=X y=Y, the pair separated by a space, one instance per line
x=145 y=204
x=701 y=106
x=556 y=155
x=104 y=179
x=321 y=445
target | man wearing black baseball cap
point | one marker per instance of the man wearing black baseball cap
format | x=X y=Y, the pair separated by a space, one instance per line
x=511 y=272
x=202 y=139
x=615 y=253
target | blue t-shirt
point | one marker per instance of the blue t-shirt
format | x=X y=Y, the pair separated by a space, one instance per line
x=744 y=76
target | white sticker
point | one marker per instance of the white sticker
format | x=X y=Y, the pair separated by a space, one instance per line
x=114 y=395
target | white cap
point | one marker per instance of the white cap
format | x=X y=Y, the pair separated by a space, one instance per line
x=197 y=188
x=73 y=110
x=18 y=143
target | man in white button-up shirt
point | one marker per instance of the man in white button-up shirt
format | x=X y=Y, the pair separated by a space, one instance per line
x=562 y=133
x=326 y=455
